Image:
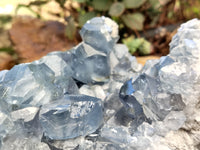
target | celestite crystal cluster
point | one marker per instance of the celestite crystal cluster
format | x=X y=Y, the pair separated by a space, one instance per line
x=96 y=95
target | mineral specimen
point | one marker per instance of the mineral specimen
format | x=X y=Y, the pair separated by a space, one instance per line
x=101 y=34
x=71 y=117
x=96 y=96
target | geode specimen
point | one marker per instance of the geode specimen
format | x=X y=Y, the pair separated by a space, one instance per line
x=96 y=95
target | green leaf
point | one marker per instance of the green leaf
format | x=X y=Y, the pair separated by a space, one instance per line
x=79 y=1
x=19 y=6
x=134 y=21
x=101 y=5
x=37 y=3
x=132 y=44
x=70 y=30
x=145 y=47
x=116 y=9
x=61 y=3
x=5 y=19
x=164 y=2
x=133 y=3
x=138 y=44
x=8 y=50
x=155 y=4
x=85 y=17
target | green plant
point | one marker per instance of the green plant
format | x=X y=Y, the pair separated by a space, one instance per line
x=140 y=45
x=129 y=14
x=132 y=16
x=37 y=3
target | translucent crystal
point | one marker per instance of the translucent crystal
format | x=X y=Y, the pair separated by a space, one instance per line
x=21 y=142
x=2 y=74
x=121 y=51
x=174 y=120
x=153 y=98
x=95 y=63
x=22 y=128
x=87 y=90
x=114 y=85
x=97 y=69
x=113 y=61
x=102 y=144
x=166 y=89
x=65 y=144
x=127 y=65
x=71 y=117
x=112 y=105
x=101 y=33
x=41 y=106
x=108 y=146
x=29 y=84
x=6 y=125
x=26 y=114
x=152 y=67
x=27 y=120
x=62 y=70
x=95 y=91
x=116 y=134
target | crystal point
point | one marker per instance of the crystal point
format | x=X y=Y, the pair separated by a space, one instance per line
x=101 y=33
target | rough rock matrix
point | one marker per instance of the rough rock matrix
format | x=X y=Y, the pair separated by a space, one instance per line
x=96 y=96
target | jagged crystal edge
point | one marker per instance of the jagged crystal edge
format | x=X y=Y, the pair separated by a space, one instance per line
x=166 y=90
x=31 y=92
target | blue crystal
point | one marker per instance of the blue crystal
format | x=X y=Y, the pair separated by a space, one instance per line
x=154 y=98
x=101 y=33
x=71 y=117
x=127 y=89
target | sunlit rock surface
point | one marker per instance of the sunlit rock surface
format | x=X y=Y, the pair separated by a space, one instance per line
x=97 y=97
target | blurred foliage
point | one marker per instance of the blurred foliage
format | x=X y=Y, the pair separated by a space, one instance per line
x=5 y=21
x=132 y=16
x=140 y=45
x=70 y=30
x=8 y=50
x=125 y=12
x=37 y=3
